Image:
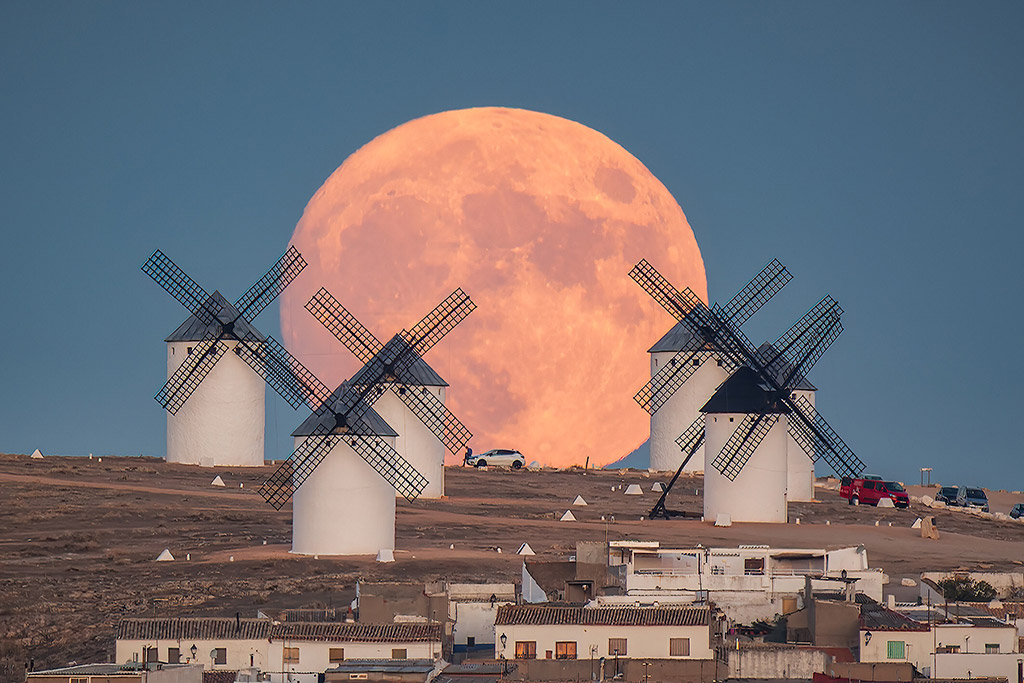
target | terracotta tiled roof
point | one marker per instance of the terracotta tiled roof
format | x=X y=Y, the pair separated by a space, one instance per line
x=548 y=615
x=193 y=628
x=363 y=633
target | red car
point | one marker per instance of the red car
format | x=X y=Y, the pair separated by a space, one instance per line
x=870 y=491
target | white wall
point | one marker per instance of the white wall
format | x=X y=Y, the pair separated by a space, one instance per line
x=238 y=651
x=476 y=620
x=415 y=442
x=976 y=665
x=314 y=656
x=679 y=412
x=758 y=494
x=642 y=641
x=222 y=422
x=801 y=468
x=344 y=508
x=973 y=639
x=917 y=651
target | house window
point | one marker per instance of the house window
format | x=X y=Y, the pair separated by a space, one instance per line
x=897 y=649
x=617 y=646
x=565 y=649
x=79 y=680
x=173 y=655
x=399 y=653
x=547 y=654
x=678 y=647
x=291 y=655
x=358 y=677
x=220 y=655
x=336 y=654
x=991 y=648
x=753 y=566
x=149 y=654
x=526 y=649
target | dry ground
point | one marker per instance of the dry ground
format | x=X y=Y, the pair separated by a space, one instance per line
x=78 y=538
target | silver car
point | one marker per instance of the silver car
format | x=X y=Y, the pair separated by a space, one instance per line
x=498 y=456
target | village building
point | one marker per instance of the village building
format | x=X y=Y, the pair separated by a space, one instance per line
x=473 y=607
x=563 y=642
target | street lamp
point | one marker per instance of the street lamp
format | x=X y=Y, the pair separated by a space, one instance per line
x=504 y=639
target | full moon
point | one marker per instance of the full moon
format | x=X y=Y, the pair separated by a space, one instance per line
x=539 y=219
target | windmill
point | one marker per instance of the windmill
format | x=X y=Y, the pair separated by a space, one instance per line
x=761 y=388
x=214 y=402
x=344 y=464
x=413 y=402
x=686 y=369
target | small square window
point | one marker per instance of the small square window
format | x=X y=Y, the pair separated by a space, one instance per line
x=896 y=649
x=565 y=650
x=336 y=654
x=220 y=655
x=291 y=655
x=991 y=648
x=617 y=647
x=399 y=653
x=527 y=649
x=173 y=655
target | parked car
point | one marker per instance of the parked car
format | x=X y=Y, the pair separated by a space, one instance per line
x=947 y=494
x=975 y=498
x=870 y=491
x=1017 y=511
x=498 y=456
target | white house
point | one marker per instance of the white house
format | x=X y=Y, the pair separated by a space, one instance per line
x=473 y=607
x=214 y=642
x=565 y=632
x=312 y=648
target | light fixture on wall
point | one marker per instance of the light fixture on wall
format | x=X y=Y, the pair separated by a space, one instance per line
x=867 y=637
x=194 y=650
x=504 y=639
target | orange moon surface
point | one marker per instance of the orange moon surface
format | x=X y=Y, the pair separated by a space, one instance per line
x=539 y=219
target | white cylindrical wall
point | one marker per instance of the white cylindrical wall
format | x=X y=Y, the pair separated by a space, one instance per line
x=680 y=411
x=801 y=468
x=758 y=494
x=415 y=442
x=222 y=422
x=344 y=507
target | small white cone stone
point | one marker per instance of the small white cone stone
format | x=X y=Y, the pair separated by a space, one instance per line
x=385 y=555
x=634 y=490
x=885 y=503
x=90 y=456
x=241 y=485
x=264 y=541
x=217 y=481
x=525 y=549
x=578 y=501
x=613 y=488
x=567 y=517
x=657 y=488
x=100 y=459
x=723 y=519
x=876 y=522
x=916 y=524
x=451 y=547
x=36 y=455
x=165 y=556
x=188 y=556
x=797 y=520
x=828 y=522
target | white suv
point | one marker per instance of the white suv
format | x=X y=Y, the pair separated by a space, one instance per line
x=498 y=456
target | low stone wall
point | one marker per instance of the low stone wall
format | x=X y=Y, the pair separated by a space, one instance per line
x=627 y=670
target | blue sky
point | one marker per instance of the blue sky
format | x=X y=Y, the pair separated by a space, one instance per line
x=874 y=148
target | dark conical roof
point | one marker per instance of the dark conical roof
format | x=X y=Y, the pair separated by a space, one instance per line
x=194 y=329
x=743 y=392
x=419 y=374
x=370 y=424
x=782 y=367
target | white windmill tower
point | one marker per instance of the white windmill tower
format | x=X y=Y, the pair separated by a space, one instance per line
x=800 y=479
x=686 y=369
x=741 y=419
x=345 y=451
x=413 y=403
x=215 y=401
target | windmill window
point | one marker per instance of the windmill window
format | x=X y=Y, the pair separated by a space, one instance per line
x=732 y=419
